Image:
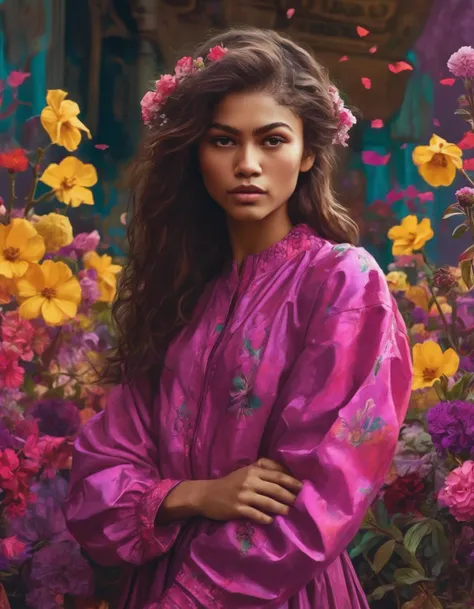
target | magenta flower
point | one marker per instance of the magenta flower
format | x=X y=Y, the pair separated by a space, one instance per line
x=151 y=103
x=461 y=63
x=11 y=373
x=184 y=67
x=217 y=53
x=18 y=333
x=458 y=492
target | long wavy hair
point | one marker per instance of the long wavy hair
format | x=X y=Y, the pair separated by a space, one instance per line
x=178 y=237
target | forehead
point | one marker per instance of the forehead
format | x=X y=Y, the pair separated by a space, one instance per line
x=248 y=111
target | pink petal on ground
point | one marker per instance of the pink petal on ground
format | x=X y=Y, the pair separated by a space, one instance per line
x=370 y=157
x=290 y=12
x=399 y=66
x=448 y=82
x=362 y=31
x=377 y=123
x=366 y=82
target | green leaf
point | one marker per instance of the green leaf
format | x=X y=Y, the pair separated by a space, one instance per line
x=369 y=520
x=410 y=560
x=408 y=576
x=467 y=273
x=367 y=541
x=468 y=254
x=459 y=230
x=383 y=555
x=453 y=210
x=380 y=592
x=463 y=112
x=415 y=534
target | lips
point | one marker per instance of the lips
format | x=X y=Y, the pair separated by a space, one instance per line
x=247 y=190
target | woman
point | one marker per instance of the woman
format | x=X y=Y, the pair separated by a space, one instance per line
x=262 y=371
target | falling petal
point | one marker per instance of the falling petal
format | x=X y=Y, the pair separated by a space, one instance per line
x=468 y=164
x=15 y=79
x=344 y=58
x=377 y=123
x=403 y=146
x=394 y=195
x=399 y=66
x=101 y=146
x=370 y=157
x=373 y=49
x=467 y=141
x=436 y=122
x=448 y=82
x=366 y=82
x=411 y=191
x=290 y=12
x=424 y=197
x=361 y=31
x=123 y=219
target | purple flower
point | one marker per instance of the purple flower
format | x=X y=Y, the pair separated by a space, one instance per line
x=89 y=286
x=56 y=417
x=419 y=316
x=451 y=426
x=465 y=196
x=461 y=63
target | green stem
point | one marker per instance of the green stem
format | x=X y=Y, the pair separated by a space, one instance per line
x=30 y=201
x=11 y=177
x=463 y=172
x=46 y=195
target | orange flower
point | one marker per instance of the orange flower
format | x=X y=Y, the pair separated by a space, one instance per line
x=14 y=160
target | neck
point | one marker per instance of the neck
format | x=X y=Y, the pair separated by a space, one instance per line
x=247 y=238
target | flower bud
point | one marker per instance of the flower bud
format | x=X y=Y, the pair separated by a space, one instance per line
x=444 y=280
x=465 y=196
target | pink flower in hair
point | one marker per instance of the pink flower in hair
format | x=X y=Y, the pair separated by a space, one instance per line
x=217 y=53
x=461 y=63
x=151 y=103
x=345 y=117
x=184 y=67
x=166 y=85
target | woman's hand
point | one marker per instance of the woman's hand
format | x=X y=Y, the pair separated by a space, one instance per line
x=250 y=492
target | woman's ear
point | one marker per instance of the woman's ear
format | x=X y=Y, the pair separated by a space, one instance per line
x=307 y=162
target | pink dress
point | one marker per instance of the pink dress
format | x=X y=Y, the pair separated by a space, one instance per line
x=301 y=357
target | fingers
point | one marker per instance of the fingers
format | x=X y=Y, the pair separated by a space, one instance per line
x=266 y=504
x=246 y=511
x=281 y=479
x=270 y=464
x=275 y=491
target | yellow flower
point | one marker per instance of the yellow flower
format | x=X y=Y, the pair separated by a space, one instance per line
x=445 y=307
x=49 y=290
x=429 y=363
x=397 y=281
x=106 y=274
x=71 y=180
x=59 y=120
x=56 y=231
x=437 y=163
x=20 y=245
x=418 y=295
x=409 y=235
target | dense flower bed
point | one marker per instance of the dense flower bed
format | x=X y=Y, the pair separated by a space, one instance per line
x=416 y=546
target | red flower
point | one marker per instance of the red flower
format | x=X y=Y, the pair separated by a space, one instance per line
x=217 y=53
x=14 y=160
x=405 y=494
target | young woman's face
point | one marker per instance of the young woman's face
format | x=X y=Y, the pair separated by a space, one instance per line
x=253 y=144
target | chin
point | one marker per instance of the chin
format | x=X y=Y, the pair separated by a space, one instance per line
x=248 y=213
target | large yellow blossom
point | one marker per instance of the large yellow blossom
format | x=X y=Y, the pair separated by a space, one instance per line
x=71 y=180
x=56 y=231
x=437 y=163
x=106 y=274
x=397 y=281
x=409 y=235
x=20 y=245
x=59 y=120
x=429 y=363
x=419 y=296
x=49 y=290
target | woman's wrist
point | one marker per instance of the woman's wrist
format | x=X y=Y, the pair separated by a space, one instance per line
x=184 y=501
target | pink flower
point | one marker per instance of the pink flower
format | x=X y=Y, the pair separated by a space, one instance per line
x=41 y=339
x=184 y=67
x=345 y=117
x=15 y=78
x=166 y=85
x=12 y=548
x=217 y=53
x=151 y=103
x=86 y=242
x=461 y=63
x=11 y=373
x=458 y=492
x=57 y=454
x=18 y=333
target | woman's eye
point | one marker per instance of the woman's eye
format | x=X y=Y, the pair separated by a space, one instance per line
x=222 y=141
x=274 y=141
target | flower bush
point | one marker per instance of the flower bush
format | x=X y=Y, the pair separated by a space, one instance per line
x=415 y=549
x=55 y=295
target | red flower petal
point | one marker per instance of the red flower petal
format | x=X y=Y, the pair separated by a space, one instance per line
x=290 y=12
x=362 y=31
x=399 y=66
x=366 y=82
x=448 y=82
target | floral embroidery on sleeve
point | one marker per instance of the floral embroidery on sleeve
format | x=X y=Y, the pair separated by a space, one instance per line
x=362 y=427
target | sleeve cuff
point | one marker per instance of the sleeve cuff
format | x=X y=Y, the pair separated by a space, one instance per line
x=158 y=539
x=176 y=598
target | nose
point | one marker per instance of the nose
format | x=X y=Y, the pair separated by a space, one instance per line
x=247 y=162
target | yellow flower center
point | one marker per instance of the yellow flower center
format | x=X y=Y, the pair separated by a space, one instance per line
x=439 y=160
x=68 y=183
x=430 y=374
x=48 y=293
x=11 y=254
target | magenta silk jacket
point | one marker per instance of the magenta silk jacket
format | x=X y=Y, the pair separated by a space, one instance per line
x=301 y=357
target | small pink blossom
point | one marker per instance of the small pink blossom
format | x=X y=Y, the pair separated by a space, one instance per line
x=184 y=67
x=18 y=333
x=3 y=209
x=345 y=117
x=458 y=492
x=166 y=85
x=217 y=53
x=15 y=78
x=12 y=548
x=461 y=63
x=41 y=339
x=57 y=454
x=86 y=242
x=11 y=373
x=151 y=103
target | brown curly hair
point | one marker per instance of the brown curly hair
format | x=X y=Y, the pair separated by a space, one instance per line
x=178 y=237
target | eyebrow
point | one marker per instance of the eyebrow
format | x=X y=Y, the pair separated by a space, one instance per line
x=258 y=131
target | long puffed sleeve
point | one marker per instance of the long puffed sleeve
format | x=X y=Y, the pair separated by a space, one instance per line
x=334 y=427
x=115 y=488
